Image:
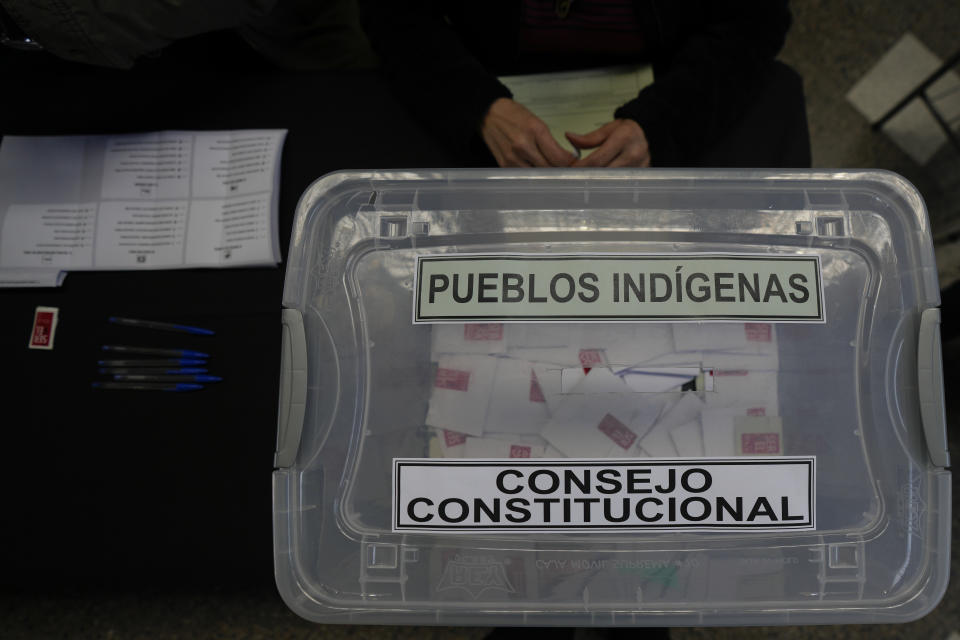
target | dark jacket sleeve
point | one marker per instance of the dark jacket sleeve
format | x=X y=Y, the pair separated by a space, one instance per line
x=114 y=33
x=430 y=70
x=705 y=74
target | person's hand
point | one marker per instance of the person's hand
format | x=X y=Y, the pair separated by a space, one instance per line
x=620 y=143
x=517 y=138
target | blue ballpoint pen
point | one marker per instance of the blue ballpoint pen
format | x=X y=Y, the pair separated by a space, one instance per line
x=174 y=362
x=151 y=351
x=146 y=386
x=150 y=371
x=123 y=377
x=162 y=326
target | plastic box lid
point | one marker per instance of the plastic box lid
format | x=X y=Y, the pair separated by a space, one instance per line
x=826 y=388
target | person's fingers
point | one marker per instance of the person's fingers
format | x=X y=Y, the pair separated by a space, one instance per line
x=556 y=155
x=497 y=155
x=514 y=156
x=622 y=160
x=525 y=149
x=586 y=141
x=603 y=155
x=632 y=156
x=592 y=139
x=502 y=146
x=491 y=139
x=512 y=159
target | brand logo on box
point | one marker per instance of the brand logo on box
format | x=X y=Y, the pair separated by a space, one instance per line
x=475 y=574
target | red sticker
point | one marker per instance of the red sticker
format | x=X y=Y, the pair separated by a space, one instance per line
x=453 y=438
x=452 y=379
x=536 y=393
x=761 y=443
x=491 y=331
x=756 y=411
x=590 y=358
x=44 y=326
x=519 y=451
x=758 y=331
x=617 y=431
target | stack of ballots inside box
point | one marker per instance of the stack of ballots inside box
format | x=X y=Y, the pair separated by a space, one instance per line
x=604 y=390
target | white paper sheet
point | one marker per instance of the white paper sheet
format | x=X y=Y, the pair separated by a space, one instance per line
x=682 y=410
x=162 y=200
x=657 y=441
x=648 y=341
x=598 y=380
x=447 y=444
x=758 y=353
x=517 y=404
x=546 y=343
x=758 y=435
x=709 y=336
x=461 y=393
x=688 y=439
x=31 y=277
x=658 y=379
x=534 y=440
x=44 y=236
x=740 y=388
x=592 y=421
x=545 y=336
x=550 y=377
x=501 y=448
x=658 y=444
x=468 y=338
x=592 y=426
x=578 y=101
x=719 y=436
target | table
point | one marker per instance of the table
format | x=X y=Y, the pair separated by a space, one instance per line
x=115 y=488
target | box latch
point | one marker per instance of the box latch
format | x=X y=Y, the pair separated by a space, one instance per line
x=930 y=383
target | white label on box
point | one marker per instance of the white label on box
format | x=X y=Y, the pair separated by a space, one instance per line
x=617 y=288
x=666 y=494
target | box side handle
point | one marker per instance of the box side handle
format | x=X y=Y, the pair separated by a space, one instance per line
x=930 y=383
x=293 y=388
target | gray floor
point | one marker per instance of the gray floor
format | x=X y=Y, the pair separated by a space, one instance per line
x=832 y=44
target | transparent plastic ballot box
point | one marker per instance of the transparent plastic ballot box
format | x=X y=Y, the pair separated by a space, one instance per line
x=611 y=398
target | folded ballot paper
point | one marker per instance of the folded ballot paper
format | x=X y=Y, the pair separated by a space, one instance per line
x=161 y=200
x=604 y=391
